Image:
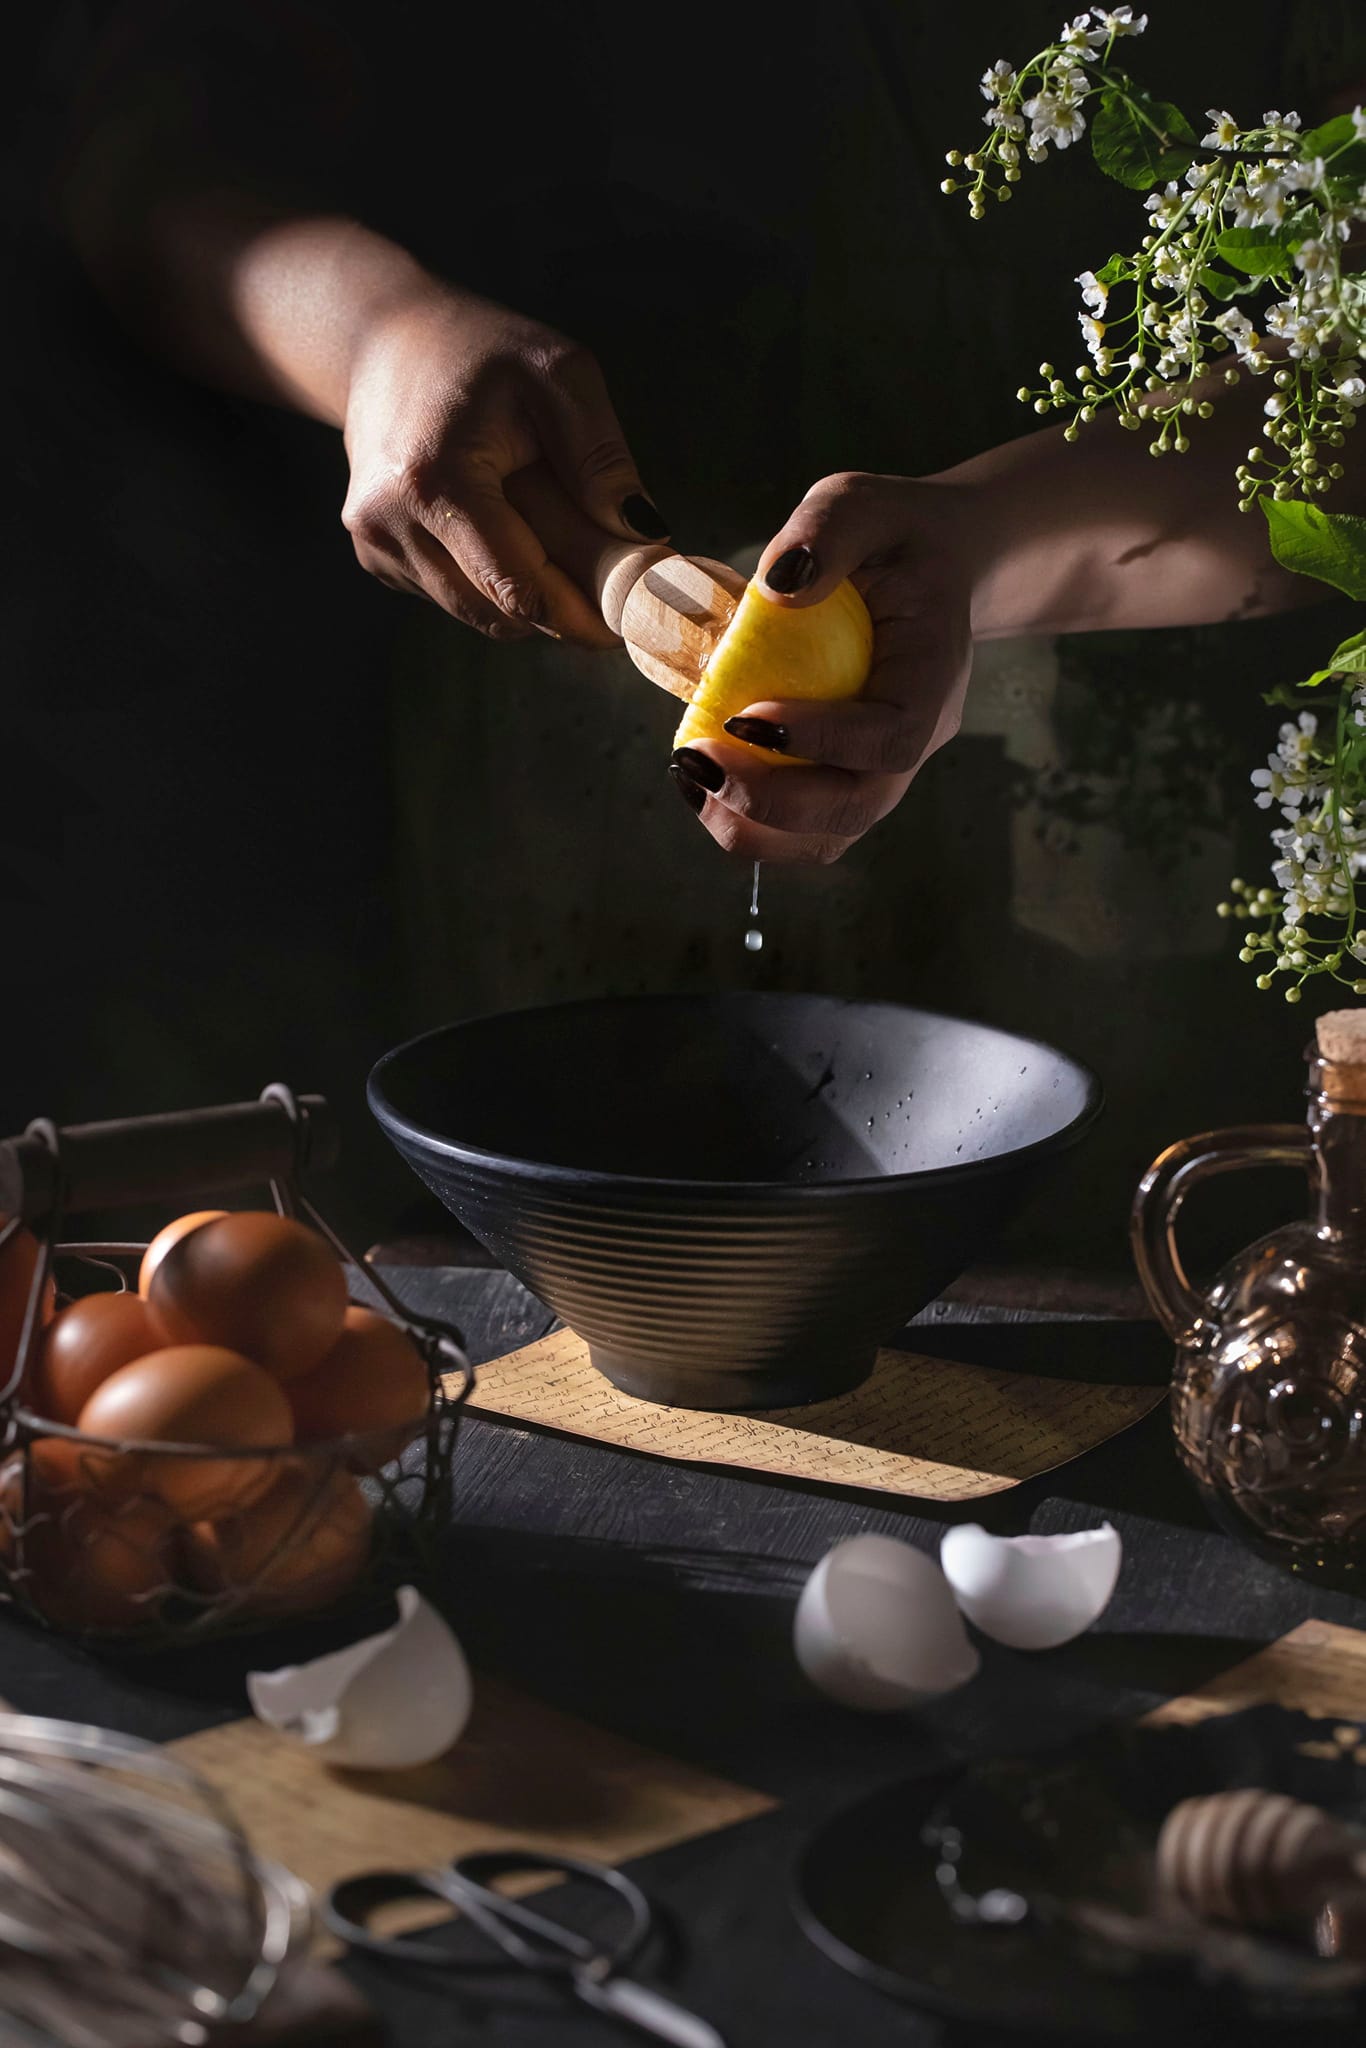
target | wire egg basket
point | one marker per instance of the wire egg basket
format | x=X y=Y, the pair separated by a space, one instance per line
x=92 y=1542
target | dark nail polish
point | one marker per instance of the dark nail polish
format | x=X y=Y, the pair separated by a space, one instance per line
x=644 y=518
x=691 y=792
x=758 y=732
x=699 y=768
x=792 y=571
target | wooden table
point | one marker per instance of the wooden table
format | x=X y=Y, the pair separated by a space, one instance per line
x=656 y=1600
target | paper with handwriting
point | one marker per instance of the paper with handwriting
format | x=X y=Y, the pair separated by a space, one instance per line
x=930 y=1428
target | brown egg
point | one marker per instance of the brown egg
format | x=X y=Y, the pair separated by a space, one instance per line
x=298 y=1548
x=17 y=1262
x=164 y=1239
x=83 y=1345
x=257 y=1283
x=372 y=1380
x=86 y=1562
x=189 y=1394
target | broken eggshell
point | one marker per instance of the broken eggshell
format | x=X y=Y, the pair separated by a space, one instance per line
x=876 y=1627
x=393 y=1701
x=1031 y=1592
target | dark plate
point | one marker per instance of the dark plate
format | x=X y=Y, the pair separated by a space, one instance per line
x=1079 y=1824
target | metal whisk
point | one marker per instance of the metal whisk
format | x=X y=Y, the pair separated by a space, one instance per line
x=132 y=1908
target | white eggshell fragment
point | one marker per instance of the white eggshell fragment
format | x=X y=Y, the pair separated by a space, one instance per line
x=1031 y=1592
x=395 y=1700
x=876 y=1627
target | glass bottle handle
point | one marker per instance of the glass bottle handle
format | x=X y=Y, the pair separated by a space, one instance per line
x=1164 y=1187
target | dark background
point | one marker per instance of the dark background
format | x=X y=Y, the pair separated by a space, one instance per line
x=260 y=818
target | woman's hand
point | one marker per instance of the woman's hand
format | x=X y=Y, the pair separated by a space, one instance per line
x=448 y=396
x=907 y=546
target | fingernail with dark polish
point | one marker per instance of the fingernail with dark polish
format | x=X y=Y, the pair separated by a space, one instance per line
x=644 y=518
x=699 y=768
x=793 y=570
x=691 y=792
x=759 y=732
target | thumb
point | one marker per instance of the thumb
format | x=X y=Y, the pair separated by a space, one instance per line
x=586 y=448
x=840 y=523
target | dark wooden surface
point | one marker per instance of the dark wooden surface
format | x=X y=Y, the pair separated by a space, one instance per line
x=657 y=1600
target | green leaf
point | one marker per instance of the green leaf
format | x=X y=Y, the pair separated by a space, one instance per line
x=1338 y=142
x=1330 y=546
x=1140 y=141
x=1349 y=659
x=1258 y=251
x=1323 y=141
x=1115 y=271
x=1283 y=695
x=1220 y=285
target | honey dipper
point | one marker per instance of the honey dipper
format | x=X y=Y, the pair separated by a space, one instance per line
x=670 y=609
x=1257 y=1857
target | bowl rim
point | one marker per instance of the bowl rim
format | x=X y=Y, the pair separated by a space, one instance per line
x=395 y=1123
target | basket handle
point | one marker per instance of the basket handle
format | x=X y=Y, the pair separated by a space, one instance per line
x=49 y=1172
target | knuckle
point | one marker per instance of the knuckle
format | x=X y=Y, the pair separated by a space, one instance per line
x=606 y=457
x=562 y=362
x=369 y=521
x=826 y=851
x=518 y=597
x=848 y=815
x=847 y=483
x=726 y=828
x=419 y=485
x=894 y=749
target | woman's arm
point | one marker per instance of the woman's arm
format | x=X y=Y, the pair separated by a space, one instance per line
x=1036 y=536
x=227 y=265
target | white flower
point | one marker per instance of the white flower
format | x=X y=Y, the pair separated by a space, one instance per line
x=1094 y=333
x=1165 y=206
x=1268 y=783
x=1001 y=117
x=1240 y=332
x=1352 y=391
x=1295 y=327
x=1306 y=174
x=1312 y=258
x=1081 y=39
x=1119 y=21
x=1171 y=270
x=1359 y=123
x=1283 y=127
x=1056 y=118
x=1224 y=132
x=1093 y=292
x=998 y=81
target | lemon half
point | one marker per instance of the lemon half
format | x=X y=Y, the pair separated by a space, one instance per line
x=779 y=651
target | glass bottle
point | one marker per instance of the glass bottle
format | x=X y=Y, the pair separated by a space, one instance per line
x=1269 y=1392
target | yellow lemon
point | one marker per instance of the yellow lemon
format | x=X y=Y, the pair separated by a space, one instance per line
x=778 y=651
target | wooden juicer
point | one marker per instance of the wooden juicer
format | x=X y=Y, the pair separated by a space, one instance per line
x=673 y=611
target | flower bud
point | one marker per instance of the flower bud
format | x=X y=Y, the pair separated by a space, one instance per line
x=1293 y=995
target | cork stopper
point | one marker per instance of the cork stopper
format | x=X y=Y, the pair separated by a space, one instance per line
x=1341 y=1037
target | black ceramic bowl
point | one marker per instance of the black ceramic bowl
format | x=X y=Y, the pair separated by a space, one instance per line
x=733 y=1198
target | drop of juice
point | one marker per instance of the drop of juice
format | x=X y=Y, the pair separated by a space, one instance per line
x=754 y=938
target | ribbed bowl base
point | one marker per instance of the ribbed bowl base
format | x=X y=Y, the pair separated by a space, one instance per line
x=789 y=1384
